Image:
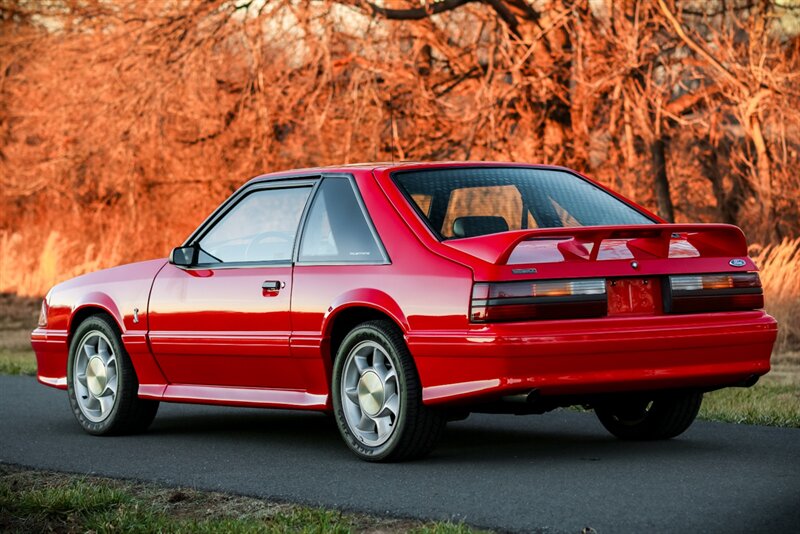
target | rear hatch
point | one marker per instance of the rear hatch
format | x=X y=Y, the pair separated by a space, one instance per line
x=596 y=271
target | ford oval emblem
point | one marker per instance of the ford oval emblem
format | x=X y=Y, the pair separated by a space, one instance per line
x=737 y=262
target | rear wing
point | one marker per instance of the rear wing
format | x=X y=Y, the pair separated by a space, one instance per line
x=583 y=243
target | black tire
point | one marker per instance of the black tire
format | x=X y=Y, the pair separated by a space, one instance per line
x=642 y=417
x=129 y=414
x=417 y=427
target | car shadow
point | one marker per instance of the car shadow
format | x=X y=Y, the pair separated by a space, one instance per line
x=465 y=444
x=258 y=421
x=493 y=439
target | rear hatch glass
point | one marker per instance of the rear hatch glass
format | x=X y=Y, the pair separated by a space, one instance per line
x=469 y=202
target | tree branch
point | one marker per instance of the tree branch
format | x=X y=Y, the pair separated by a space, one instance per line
x=700 y=49
x=423 y=12
x=506 y=15
x=415 y=13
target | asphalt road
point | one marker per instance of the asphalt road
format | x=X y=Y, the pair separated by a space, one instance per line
x=554 y=473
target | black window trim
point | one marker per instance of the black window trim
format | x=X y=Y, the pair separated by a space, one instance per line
x=439 y=237
x=385 y=260
x=223 y=209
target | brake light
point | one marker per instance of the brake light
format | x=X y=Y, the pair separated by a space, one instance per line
x=544 y=299
x=714 y=292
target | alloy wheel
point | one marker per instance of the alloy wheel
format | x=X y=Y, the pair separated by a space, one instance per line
x=96 y=376
x=370 y=393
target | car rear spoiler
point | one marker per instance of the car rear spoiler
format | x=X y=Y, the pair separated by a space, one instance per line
x=645 y=241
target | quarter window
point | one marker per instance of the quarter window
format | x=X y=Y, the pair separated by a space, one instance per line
x=337 y=230
x=259 y=228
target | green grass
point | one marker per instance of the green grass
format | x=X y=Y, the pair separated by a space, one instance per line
x=38 y=501
x=17 y=362
x=766 y=403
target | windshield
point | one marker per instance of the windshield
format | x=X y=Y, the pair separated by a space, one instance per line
x=470 y=202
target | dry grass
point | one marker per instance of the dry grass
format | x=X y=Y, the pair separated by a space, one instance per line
x=780 y=275
x=17 y=318
x=61 y=256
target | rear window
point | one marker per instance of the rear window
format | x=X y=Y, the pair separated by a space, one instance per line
x=470 y=202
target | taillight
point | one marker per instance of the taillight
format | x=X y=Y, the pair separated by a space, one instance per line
x=714 y=292
x=544 y=299
x=43 y=314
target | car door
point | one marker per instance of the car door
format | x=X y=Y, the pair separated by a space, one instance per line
x=225 y=321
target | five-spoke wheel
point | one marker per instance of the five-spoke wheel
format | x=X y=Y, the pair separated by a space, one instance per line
x=377 y=396
x=95 y=374
x=371 y=393
x=101 y=381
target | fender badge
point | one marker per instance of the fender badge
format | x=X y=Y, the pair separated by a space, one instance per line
x=737 y=262
x=524 y=271
x=136 y=315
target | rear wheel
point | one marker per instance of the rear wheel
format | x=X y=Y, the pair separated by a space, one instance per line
x=102 y=384
x=638 y=417
x=377 y=397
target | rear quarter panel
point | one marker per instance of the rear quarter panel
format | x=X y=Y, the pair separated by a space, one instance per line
x=421 y=291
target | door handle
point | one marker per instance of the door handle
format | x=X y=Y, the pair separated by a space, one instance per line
x=272 y=285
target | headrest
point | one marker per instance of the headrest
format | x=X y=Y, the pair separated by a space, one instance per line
x=474 y=226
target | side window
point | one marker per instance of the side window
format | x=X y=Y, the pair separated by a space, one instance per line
x=336 y=229
x=260 y=227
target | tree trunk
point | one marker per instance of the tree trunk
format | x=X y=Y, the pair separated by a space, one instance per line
x=764 y=176
x=728 y=203
x=661 y=181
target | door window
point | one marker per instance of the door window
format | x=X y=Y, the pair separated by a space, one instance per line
x=261 y=227
x=337 y=230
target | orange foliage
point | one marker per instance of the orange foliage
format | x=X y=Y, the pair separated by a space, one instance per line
x=123 y=124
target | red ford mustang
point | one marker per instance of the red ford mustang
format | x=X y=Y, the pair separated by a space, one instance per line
x=400 y=296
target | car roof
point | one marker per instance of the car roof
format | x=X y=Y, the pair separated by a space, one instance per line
x=390 y=166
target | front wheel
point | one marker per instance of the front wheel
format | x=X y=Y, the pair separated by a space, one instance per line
x=642 y=417
x=102 y=384
x=377 y=397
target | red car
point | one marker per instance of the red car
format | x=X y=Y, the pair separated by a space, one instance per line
x=400 y=296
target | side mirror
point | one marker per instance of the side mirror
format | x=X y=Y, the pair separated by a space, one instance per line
x=183 y=256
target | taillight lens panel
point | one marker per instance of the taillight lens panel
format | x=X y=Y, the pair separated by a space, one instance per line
x=538 y=300
x=697 y=293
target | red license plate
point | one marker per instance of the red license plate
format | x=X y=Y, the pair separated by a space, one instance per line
x=634 y=296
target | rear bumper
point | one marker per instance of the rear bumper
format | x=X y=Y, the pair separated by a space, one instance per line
x=594 y=356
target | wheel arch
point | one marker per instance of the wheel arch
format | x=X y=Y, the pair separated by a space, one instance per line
x=352 y=309
x=94 y=304
x=135 y=344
